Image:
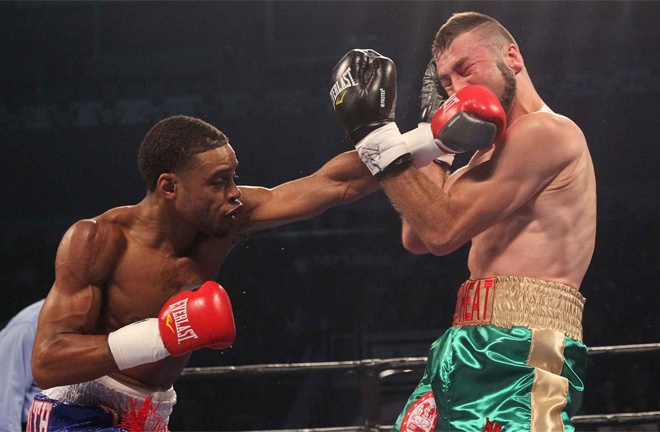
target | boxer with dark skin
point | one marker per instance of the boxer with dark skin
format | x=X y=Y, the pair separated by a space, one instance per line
x=122 y=266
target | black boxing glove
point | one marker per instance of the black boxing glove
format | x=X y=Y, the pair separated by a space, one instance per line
x=364 y=99
x=420 y=141
x=363 y=92
x=433 y=94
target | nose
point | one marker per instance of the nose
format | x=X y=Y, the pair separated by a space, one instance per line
x=234 y=194
x=458 y=83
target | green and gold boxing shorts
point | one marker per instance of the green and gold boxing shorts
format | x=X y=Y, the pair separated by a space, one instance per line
x=513 y=361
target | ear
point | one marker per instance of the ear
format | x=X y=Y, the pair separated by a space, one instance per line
x=167 y=185
x=513 y=58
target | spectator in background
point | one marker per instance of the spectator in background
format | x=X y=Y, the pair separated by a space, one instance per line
x=17 y=384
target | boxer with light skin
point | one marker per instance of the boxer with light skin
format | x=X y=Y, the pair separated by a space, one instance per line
x=134 y=293
x=514 y=358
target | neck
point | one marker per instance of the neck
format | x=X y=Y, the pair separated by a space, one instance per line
x=527 y=100
x=162 y=229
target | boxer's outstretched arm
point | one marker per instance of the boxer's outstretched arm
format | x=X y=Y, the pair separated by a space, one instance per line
x=342 y=180
x=66 y=349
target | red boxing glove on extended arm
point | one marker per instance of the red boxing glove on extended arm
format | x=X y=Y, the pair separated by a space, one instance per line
x=197 y=318
x=469 y=120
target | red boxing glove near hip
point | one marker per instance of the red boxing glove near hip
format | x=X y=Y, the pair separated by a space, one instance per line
x=469 y=120
x=197 y=318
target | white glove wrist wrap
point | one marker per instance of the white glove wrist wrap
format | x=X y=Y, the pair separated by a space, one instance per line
x=381 y=147
x=137 y=344
x=423 y=148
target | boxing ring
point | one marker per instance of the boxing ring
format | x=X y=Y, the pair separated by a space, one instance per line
x=372 y=371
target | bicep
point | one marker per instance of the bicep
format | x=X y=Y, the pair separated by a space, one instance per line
x=72 y=306
x=84 y=260
x=71 y=342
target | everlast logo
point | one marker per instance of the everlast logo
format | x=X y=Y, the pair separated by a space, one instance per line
x=382 y=98
x=449 y=102
x=475 y=302
x=179 y=313
x=344 y=82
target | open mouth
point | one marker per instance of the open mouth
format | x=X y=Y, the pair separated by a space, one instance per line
x=232 y=213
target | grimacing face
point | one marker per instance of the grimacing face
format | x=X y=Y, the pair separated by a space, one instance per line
x=207 y=195
x=470 y=60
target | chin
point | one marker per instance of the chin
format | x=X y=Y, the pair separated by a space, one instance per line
x=220 y=231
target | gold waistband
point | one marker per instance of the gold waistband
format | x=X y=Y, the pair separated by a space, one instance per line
x=508 y=301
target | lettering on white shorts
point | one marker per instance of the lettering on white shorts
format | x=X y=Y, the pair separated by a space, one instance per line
x=39 y=416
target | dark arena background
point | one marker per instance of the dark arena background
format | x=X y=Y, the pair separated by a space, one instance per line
x=82 y=82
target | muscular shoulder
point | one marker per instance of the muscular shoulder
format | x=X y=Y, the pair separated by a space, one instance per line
x=91 y=247
x=547 y=130
x=104 y=230
x=544 y=141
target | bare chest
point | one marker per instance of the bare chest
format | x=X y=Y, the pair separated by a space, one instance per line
x=144 y=279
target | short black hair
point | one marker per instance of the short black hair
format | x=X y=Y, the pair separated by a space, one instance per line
x=172 y=142
x=464 y=22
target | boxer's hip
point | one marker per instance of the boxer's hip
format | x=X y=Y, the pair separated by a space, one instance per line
x=514 y=356
x=510 y=301
x=112 y=399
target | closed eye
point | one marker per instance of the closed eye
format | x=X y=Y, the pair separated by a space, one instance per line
x=466 y=71
x=445 y=83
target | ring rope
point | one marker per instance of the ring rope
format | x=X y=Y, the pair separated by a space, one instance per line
x=595 y=419
x=618 y=418
x=293 y=368
x=368 y=364
x=374 y=369
x=617 y=349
